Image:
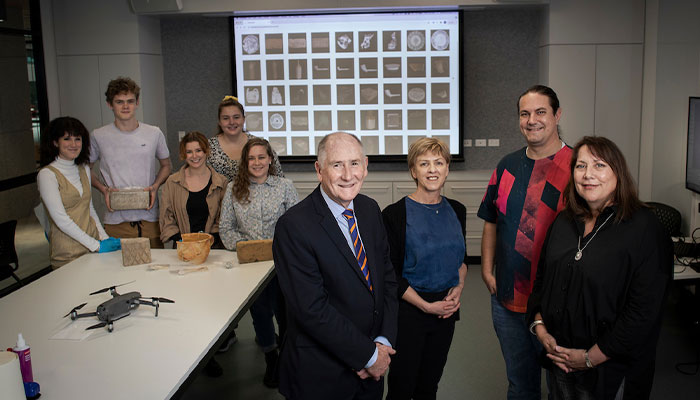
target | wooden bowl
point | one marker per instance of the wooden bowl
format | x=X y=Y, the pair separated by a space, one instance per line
x=194 y=247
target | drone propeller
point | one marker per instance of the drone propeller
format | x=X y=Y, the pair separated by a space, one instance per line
x=100 y=325
x=110 y=288
x=158 y=299
x=76 y=308
x=105 y=323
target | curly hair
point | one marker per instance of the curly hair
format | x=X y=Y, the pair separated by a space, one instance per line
x=57 y=129
x=241 y=185
x=121 y=85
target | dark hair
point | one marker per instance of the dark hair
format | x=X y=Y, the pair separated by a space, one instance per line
x=228 y=101
x=545 y=91
x=121 y=85
x=57 y=129
x=241 y=185
x=193 y=136
x=625 y=194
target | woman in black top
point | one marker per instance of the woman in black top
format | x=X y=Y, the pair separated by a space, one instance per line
x=191 y=198
x=426 y=234
x=601 y=282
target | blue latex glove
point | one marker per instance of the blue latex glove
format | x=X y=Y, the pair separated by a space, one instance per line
x=110 y=244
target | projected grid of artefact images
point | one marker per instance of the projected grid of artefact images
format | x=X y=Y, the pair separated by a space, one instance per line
x=389 y=86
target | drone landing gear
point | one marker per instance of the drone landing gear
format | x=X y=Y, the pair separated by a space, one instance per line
x=154 y=301
x=109 y=323
x=74 y=313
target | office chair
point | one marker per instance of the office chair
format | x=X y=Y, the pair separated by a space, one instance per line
x=669 y=217
x=8 y=254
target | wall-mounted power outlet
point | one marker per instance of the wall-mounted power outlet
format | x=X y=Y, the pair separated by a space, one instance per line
x=480 y=142
x=180 y=135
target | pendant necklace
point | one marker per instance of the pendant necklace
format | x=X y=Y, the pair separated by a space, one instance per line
x=436 y=209
x=579 y=253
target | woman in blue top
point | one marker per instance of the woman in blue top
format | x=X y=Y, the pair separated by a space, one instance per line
x=427 y=238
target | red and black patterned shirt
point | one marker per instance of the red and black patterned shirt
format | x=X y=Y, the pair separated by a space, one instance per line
x=523 y=198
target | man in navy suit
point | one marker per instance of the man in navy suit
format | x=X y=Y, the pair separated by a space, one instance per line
x=339 y=285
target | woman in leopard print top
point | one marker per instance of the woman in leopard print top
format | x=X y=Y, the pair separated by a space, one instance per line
x=226 y=146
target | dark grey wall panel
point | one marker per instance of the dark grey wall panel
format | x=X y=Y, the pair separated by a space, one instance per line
x=197 y=70
x=501 y=60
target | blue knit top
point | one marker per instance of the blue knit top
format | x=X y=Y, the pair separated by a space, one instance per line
x=434 y=246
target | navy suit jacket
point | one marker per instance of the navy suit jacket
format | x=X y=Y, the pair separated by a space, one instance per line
x=333 y=316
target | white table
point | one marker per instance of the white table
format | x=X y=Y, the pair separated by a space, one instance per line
x=145 y=357
x=684 y=272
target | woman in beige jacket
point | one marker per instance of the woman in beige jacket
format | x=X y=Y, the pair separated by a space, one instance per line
x=191 y=197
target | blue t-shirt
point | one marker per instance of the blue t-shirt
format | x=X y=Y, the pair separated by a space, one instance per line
x=434 y=246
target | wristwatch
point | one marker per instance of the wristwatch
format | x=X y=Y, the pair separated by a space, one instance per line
x=589 y=364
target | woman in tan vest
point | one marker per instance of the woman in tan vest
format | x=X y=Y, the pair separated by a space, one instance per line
x=64 y=186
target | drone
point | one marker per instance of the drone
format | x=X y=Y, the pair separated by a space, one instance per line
x=116 y=308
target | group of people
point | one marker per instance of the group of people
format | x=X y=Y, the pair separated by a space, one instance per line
x=581 y=264
x=577 y=266
x=231 y=186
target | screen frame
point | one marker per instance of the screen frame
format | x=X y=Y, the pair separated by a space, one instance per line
x=388 y=158
x=693 y=135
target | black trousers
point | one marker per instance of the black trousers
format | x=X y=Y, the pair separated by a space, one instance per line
x=368 y=389
x=422 y=344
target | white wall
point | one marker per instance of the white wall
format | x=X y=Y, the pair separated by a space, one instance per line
x=93 y=42
x=592 y=56
x=88 y=43
x=677 y=78
x=608 y=61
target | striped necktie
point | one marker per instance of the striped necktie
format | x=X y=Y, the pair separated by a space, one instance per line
x=357 y=243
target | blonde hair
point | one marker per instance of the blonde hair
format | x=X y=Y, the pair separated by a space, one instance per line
x=427 y=145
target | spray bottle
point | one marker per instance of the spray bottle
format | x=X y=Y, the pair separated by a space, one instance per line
x=25 y=359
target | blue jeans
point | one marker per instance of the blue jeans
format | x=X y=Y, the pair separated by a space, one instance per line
x=262 y=310
x=520 y=349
